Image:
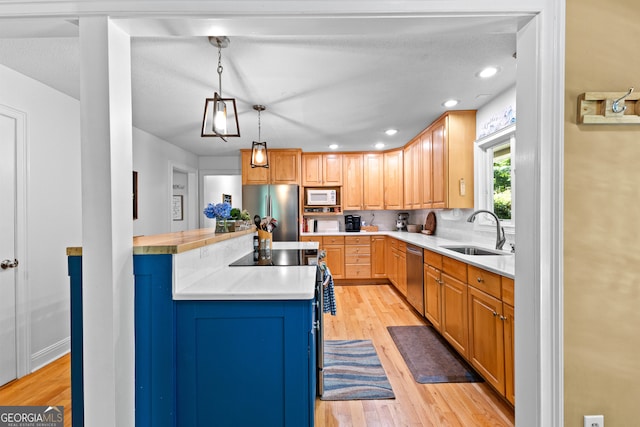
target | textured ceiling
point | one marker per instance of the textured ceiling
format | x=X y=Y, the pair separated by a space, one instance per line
x=342 y=84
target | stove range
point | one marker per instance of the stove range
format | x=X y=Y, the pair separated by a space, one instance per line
x=278 y=258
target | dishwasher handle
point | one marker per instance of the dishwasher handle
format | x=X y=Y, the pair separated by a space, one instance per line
x=414 y=249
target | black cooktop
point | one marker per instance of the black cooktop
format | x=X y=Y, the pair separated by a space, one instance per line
x=278 y=257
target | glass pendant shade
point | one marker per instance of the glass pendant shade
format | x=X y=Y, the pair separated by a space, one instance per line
x=220 y=118
x=220 y=114
x=259 y=155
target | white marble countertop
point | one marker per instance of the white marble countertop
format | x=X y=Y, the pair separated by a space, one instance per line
x=500 y=264
x=256 y=282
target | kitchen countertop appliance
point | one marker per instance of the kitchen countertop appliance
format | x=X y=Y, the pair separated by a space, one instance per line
x=402 y=221
x=352 y=223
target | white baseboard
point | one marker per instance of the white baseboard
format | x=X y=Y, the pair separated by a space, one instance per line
x=49 y=354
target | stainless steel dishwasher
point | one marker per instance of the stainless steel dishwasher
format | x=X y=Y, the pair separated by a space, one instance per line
x=415 y=270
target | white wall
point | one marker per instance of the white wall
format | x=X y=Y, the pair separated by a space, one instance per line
x=54 y=218
x=180 y=182
x=53 y=204
x=151 y=158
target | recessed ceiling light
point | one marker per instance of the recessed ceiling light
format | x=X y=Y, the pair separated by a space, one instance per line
x=488 y=72
x=333 y=146
x=379 y=145
x=391 y=132
x=450 y=103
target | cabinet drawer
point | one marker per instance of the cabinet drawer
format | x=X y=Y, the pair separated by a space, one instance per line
x=357 y=240
x=508 y=291
x=454 y=268
x=485 y=281
x=333 y=240
x=354 y=271
x=354 y=250
x=402 y=246
x=393 y=243
x=357 y=259
x=433 y=259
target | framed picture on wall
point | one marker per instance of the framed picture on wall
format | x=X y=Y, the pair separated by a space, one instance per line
x=226 y=198
x=176 y=208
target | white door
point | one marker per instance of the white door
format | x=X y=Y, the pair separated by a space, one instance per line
x=8 y=357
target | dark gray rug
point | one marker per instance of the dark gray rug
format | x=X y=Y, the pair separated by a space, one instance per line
x=352 y=371
x=429 y=357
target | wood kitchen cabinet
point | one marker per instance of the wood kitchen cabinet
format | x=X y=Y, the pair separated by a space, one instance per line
x=320 y=169
x=391 y=262
x=451 y=141
x=433 y=288
x=393 y=180
x=454 y=305
x=284 y=168
x=353 y=182
x=509 y=332
x=491 y=328
x=413 y=174
x=334 y=248
x=373 y=179
x=378 y=259
x=427 y=169
x=357 y=257
x=253 y=176
x=486 y=337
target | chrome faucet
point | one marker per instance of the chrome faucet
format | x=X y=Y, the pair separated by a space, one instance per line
x=500 y=237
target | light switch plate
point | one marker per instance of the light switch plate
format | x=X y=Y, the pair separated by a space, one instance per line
x=594 y=421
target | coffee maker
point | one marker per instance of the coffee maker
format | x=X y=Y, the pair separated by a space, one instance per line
x=402 y=221
x=352 y=223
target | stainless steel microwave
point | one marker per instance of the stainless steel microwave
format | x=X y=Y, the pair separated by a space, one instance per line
x=321 y=197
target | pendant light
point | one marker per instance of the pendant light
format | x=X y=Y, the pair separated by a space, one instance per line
x=259 y=155
x=220 y=114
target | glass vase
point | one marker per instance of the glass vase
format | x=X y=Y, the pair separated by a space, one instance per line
x=221 y=225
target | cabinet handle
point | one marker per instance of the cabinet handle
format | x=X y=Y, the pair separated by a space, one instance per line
x=495 y=314
x=502 y=318
x=480 y=280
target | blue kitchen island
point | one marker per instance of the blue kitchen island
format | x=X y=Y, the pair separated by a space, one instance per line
x=214 y=345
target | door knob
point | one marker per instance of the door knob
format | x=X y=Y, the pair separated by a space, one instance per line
x=7 y=263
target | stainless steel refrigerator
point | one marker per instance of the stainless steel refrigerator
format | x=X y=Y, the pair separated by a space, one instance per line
x=278 y=201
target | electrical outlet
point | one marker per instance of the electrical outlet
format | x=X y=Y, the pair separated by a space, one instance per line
x=594 y=421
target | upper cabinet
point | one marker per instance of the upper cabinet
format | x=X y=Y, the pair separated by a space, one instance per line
x=353 y=182
x=448 y=145
x=284 y=168
x=393 y=179
x=413 y=174
x=373 y=173
x=321 y=169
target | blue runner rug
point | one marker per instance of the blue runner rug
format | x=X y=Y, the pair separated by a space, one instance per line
x=352 y=371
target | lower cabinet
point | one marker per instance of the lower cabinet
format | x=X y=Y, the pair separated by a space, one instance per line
x=454 y=313
x=378 y=257
x=486 y=337
x=245 y=363
x=454 y=304
x=357 y=257
x=334 y=247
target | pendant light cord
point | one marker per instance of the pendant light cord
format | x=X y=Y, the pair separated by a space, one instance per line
x=220 y=69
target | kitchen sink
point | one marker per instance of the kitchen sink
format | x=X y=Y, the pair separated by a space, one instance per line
x=474 y=250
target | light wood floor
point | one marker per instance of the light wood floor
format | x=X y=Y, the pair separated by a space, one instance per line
x=50 y=385
x=364 y=312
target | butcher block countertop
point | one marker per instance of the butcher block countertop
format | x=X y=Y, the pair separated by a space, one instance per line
x=174 y=243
